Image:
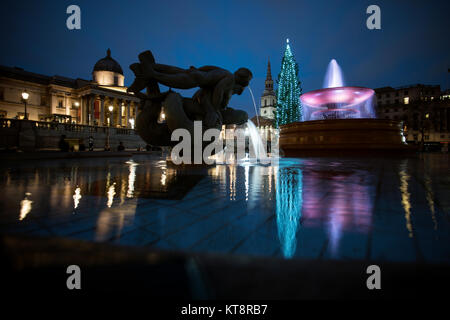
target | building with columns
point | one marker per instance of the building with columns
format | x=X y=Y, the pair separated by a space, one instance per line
x=102 y=101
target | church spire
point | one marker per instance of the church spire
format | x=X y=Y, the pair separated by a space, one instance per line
x=269 y=73
x=269 y=82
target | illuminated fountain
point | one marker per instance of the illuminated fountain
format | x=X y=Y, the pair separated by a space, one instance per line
x=336 y=101
x=340 y=119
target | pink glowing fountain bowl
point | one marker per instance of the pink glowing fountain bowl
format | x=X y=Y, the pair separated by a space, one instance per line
x=338 y=103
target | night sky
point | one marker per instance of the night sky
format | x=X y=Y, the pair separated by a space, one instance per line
x=412 y=47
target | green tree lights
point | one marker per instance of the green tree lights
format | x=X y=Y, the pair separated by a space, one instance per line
x=289 y=108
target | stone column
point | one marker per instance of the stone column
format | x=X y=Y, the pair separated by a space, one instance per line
x=127 y=105
x=67 y=104
x=102 y=111
x=87 y=113
x=119 y=113
x=135 y=111
x=92 y=110
x=83 y=112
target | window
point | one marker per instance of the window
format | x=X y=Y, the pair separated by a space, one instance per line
x=43 y=100
x=427 y=137
x=2 y=93
x=388 y=95
x=395 y=110
x=21 y=115
x=415 y=136
x=3 y=113
x=406 y=92
x=396 y=101
x=386 y=111
x=116 y=80
x=396 y=93
x=406 y=100
x=60 y=103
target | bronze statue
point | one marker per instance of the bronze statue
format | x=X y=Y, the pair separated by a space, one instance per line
x=209 y=104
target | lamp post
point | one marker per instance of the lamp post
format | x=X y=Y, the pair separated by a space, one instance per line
x=25 y=96
x=77 y=105
x=110 y=108
x=107 y=146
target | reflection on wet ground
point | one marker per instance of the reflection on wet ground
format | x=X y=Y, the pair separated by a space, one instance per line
x=315 y=208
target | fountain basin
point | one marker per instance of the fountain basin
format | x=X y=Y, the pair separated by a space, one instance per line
x=342 y=136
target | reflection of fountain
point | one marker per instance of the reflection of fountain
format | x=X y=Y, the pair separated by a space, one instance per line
x=340 y=118
x=289 y=200
x=339 y=200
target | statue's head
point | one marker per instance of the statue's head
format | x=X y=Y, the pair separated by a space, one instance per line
x=242 y=78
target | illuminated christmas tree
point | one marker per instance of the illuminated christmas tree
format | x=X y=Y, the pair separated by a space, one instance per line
x=289 y=108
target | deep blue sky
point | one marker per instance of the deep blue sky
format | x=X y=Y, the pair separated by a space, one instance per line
x=412 y=47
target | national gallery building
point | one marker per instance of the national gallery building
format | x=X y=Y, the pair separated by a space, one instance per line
x=102 y=101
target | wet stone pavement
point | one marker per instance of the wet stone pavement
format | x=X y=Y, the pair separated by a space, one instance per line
x=384 y=209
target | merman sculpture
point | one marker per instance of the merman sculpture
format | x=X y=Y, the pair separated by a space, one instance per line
x=209 y=104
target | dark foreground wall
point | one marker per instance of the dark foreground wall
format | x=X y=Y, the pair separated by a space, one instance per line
x=37 y=266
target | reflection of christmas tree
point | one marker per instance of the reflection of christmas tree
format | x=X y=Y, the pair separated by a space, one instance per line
x=289 y=90
x=289 y=201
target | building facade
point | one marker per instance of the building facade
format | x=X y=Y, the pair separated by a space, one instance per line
x=424 y=110
x=102 y=101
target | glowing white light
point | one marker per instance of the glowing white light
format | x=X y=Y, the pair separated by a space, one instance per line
x=131 y=178
x=76 y=197
x=25 y=206
x=111 y=192
x=163 y=178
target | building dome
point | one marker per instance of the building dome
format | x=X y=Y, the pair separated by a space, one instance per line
x=108 y=72
x=108 y=64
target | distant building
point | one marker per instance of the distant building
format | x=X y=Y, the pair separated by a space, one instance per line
x=102 y=101
x=268 y=98
x=265 y=121
x=424 y=110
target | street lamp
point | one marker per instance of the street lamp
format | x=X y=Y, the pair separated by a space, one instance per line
x=25 y=96
x=110 y=108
